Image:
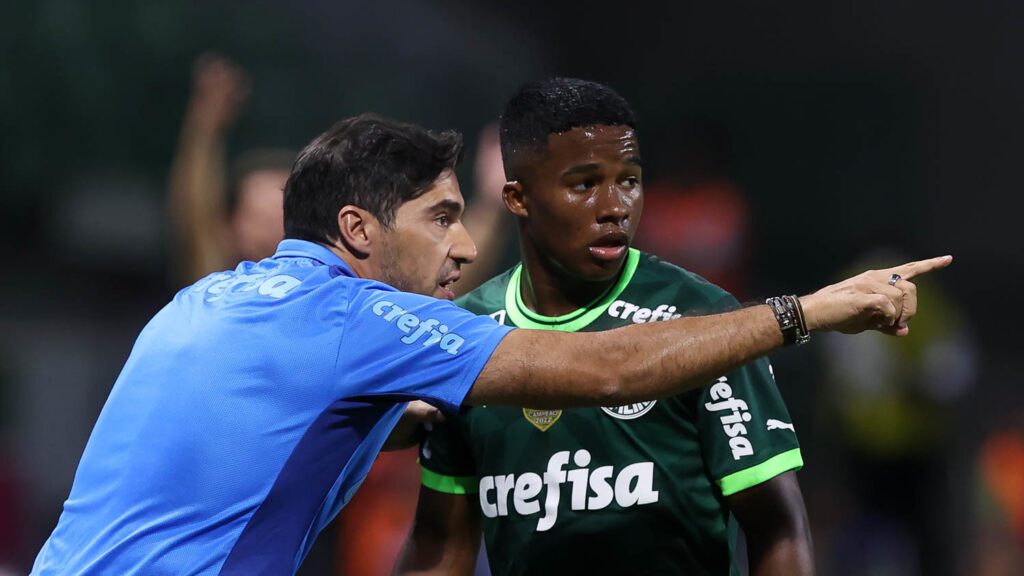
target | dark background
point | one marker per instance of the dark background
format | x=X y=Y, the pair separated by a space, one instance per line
x=850 y=126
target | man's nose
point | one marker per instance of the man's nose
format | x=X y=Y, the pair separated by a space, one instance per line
x=614 y=205
x=464 y=249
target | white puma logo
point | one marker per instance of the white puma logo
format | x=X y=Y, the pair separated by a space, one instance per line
x=779 y=425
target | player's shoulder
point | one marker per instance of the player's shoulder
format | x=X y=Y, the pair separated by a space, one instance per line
x=268 y=280
x=489 y=296
x=689 y=289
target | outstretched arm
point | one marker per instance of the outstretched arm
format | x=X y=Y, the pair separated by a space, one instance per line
x=548 y=369
x=774 y=521
x=445 y=536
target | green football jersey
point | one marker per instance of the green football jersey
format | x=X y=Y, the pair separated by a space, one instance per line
x=635 y=489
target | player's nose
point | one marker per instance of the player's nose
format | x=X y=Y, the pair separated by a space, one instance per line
x=614 y=206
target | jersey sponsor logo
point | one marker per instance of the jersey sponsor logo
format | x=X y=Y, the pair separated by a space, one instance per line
x=774 y=424
x=640 y=315
x=595 y=489
x=734 y=412
x=542 y=419
x=629 y=411
x=411 y=324
x=218 y=286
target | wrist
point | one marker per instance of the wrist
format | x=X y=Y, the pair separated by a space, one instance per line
x=810 y=305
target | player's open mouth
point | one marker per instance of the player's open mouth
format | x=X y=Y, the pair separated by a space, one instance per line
x=444 y=288
x=610 y=247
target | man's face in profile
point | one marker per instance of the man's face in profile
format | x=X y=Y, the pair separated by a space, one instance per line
x=426 y=244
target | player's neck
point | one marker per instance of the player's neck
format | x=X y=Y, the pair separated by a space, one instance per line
x=549 y=291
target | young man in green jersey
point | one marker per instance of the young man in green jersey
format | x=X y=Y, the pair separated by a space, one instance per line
x=657 y=487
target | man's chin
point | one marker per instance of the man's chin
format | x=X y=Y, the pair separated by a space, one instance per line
x=601 y=269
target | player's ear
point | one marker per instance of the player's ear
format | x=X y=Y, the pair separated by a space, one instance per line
x=515 y=199
x=359 y=230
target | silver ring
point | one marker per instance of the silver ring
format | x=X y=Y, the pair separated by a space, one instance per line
x=894 y=279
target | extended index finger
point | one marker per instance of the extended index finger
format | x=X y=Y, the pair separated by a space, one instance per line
x=911 y=269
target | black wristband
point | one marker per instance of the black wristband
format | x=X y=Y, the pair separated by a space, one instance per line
x=803 y=335
x=790 y=316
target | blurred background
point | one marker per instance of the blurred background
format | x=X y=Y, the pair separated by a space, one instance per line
x=785 y=145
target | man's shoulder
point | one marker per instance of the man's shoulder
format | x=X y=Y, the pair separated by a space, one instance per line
x=268 y=280
x=488 y=297
x=688 y=289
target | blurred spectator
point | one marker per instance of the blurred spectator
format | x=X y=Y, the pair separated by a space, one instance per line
x=486 y=218
x=999 y=507
x=891 y=406
x=697 y=217
x=222 y=218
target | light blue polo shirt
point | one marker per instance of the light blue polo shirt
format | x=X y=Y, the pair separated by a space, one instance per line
x=249 y=412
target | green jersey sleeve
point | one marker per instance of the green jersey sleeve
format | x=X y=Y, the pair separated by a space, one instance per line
x=447 y=460
x=746 y=433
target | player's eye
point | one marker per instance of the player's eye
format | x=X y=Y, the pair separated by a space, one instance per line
x=443 y=221
x=631 y=182
x=584 y=185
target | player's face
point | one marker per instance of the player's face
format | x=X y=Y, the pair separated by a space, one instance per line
x=427 y=243
x=258 y=220
x=584 y=200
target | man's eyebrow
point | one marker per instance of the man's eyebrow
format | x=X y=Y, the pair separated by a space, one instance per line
x=635 y=160
x=582 y=169
x=447 y=205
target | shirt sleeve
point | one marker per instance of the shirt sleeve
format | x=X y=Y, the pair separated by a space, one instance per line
x=413 y=346
x=747 y=435
x=447 y=460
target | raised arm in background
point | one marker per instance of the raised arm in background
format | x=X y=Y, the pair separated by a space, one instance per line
x=198 y=179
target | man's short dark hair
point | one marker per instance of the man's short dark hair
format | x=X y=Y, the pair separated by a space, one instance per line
x=367 y=161
x=557 y=105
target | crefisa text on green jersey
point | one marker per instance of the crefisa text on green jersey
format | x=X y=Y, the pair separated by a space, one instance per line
x=639 y=314
x=735 y=413
x=591 y=489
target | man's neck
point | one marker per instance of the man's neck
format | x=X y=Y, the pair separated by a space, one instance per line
x=549 y=291
x=360 y=266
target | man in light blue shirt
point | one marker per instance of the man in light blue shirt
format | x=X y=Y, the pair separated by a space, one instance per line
x=252 y=405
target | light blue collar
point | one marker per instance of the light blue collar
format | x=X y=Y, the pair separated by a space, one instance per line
x=292 y=248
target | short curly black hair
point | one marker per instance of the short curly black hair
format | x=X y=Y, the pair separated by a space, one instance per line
x=554 y=106
x=368 y=161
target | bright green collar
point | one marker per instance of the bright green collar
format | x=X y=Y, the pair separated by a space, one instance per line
x=523 y=317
